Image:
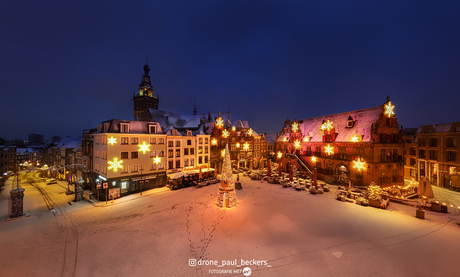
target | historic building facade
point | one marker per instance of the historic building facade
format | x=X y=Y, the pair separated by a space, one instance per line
x=362 y=146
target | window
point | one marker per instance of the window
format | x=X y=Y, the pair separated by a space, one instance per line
x=153 y=140
x=412 y=162
x=206 y=150
x=451 y=142
x=412 y=151
x=189 y=133
x=200 y=140
x=206 y=160
x=177 y=143
x=124 y=186
x=421 y=142
x=177 y=153
x=153 y=154
x=124 y=170
x=200 y=160
x=192 y=162
x=124 y=140
x=177 y=163
x=135 y=168
x=124 y=127
x=412 y=172
x=189 y=142
x=185 y=162
x=161 y=153
x=185 y=151
x=232 y=147
x=134 y=155
x=161 y=166
x=421 y=154
x=192 y=151
x=433 y=154
x=134 y=140
x=170 y=165
x=161 y=140
x=200 y=150
x=433 y=142
x=170 y=153
x=153 y=167
x=170 y=143
x=206 y=140
x=124 y=155
x=451 y=156
x=152 y=129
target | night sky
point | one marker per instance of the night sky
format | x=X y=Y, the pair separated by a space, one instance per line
x=66 y=67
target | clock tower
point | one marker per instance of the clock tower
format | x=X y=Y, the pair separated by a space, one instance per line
x=144 y=99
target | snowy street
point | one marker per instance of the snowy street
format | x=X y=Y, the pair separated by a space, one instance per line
x=274 y=231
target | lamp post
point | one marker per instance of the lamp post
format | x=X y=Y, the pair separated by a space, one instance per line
x=141 y=181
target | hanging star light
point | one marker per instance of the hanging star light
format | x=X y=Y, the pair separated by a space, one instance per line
x=327 y=125
x=285 y=139
x=112 y=140
x=297 y=144
x=233 y=128
x=115 y=164
x=329 y=149
x=219 y=122
x=225 y=134
x=295 y=127
x=306 y=139
x=355 y=138
x=389 y=109
x=280 y=155
x=237 y=145
x=246 y=146
x=214 y=141
x=250 y=132
x=156 y=160
x=359 y=165
x=144 y=147
x=313 y=159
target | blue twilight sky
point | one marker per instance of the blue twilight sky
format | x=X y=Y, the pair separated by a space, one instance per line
x=68 y=65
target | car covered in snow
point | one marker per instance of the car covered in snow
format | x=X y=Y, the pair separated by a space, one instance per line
x=51 y=181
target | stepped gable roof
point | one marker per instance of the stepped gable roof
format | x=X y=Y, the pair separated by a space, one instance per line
x=363 y=120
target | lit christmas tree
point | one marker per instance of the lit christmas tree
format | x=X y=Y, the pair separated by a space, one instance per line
x=227 y=194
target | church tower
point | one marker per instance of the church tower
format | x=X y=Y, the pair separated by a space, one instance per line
x=145 y=98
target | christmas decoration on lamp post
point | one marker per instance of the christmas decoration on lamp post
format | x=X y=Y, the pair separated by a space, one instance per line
x=112 y=140
x=226 y=197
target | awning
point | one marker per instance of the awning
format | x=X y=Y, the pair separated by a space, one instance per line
x=144 y=178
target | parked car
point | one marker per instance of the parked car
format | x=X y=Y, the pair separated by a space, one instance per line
x=51 y=181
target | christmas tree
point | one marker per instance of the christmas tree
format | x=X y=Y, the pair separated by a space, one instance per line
x=226 y=196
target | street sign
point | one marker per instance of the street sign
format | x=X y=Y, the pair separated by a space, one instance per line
x=98 y=185
x=224 y=183
x=106 y=185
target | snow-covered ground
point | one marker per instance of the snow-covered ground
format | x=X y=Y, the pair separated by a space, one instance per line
x=288 y=232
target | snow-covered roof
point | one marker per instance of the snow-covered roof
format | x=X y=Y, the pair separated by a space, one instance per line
x=271 y=138
x=135 y=127
x=166 y=119
x=363 y=120
x=439 y=128
x=69 y=142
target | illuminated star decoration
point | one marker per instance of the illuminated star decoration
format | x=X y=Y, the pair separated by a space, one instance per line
x=355 y=138
x=219 y=122
x=313 y=159
x=329 y=149
x=112 y=140
x=295 y=127
x=144 y=147
x=359 y=165
x=246 y=146
x=237 y=145
x=284 y=139
x=389 y=109
x=214 y=141
x=297 y=144
x=452 y=170
x=280 y=155
x=156 y=160
x=327 y=125
x=306 y=139
x=250 y=132
x=115 y=164
x=225 y=134
x=233 y=128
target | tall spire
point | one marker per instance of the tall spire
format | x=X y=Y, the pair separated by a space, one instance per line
x=194 y=108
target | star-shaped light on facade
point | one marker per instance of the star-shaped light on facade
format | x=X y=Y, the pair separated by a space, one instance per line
x=237 y=145
x=246 y=146
x=306 y=139
x=295 y=127
x=280 y=155
x=359 y=165
x=115 y=164
x=144 y=147
x=329 y=149
x=313 y=159
x=156 y=160
x=285 y=139
x=225 y=134
x=327 y=125
x=214 y=141
x=355 y=138
x=219 y=122
x=250 y=132
x=297 y=144
x=389 y=110
x=112 y=140
x=233 y=128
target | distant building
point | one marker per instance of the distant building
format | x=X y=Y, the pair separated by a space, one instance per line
x=35 y=139
x=7 y=158
x=364 y=145
x=432 y=151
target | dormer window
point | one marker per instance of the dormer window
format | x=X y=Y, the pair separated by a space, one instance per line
x=152 y=129
x=174 y=132
x=350 y=122
x=189 y=133
x=124 y=127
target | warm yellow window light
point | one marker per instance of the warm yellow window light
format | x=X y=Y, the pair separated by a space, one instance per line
x=237 y=145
